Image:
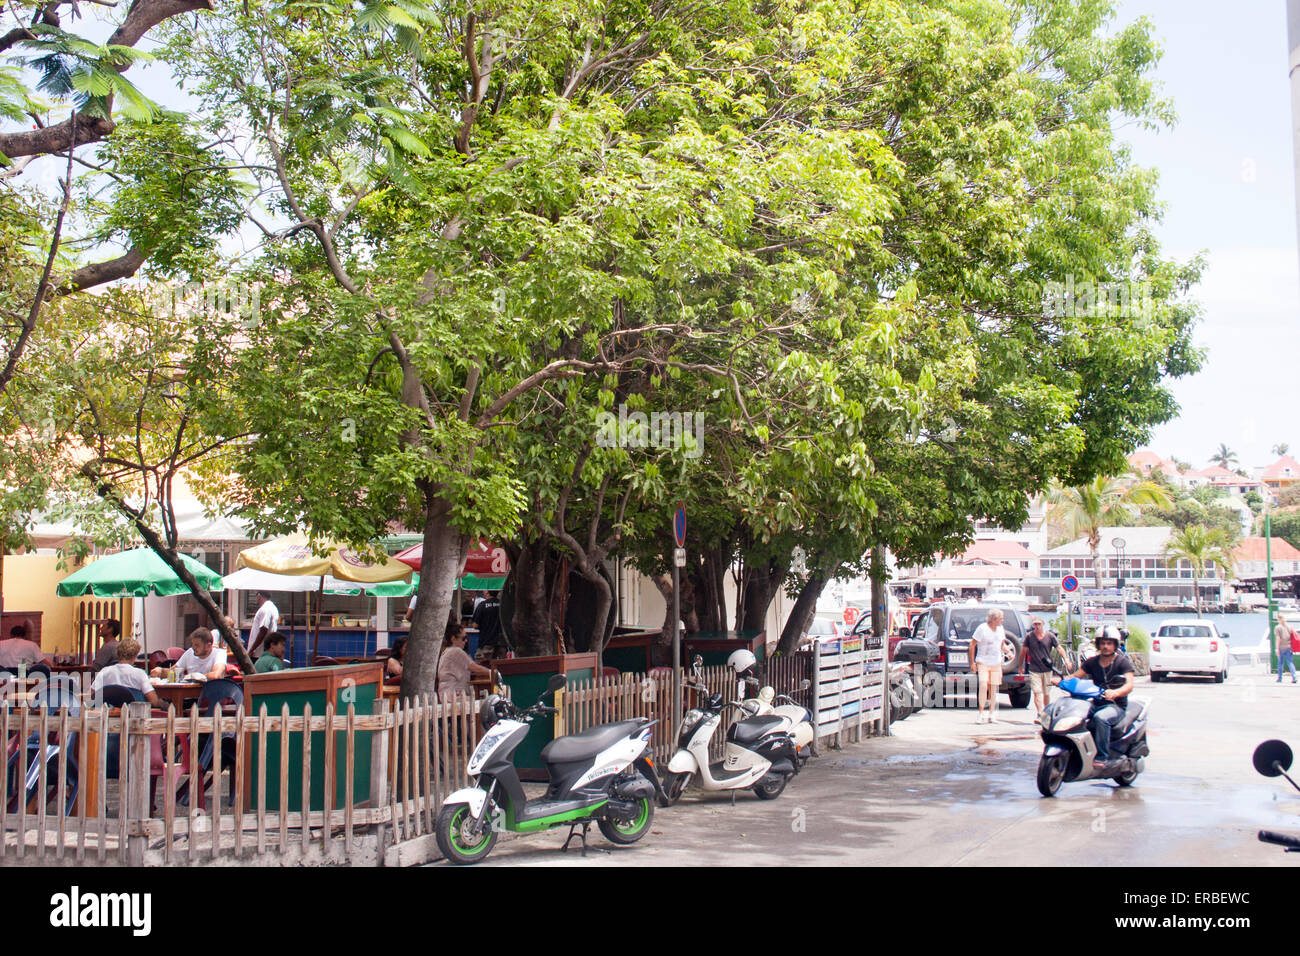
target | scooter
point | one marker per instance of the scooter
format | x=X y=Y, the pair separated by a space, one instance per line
x=766 y=702
x=601 y=775
x=1273 y=759
x=760 y=752
x=1068 y=745
x=904 y=698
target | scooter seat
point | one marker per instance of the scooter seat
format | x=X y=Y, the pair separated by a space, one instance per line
x=753 y=729
x=588 y=743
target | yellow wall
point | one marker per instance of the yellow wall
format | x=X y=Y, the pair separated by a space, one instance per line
x=29 y=583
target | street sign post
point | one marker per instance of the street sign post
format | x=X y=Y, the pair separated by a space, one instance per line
x=1069 y=583
x=679 y=562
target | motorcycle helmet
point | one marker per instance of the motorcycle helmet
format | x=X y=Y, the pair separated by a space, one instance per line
x=1108 y=632
x=741 y=661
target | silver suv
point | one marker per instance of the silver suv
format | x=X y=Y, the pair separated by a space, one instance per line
x=951 y=626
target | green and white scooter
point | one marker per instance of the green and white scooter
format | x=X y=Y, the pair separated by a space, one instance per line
x=601 y=775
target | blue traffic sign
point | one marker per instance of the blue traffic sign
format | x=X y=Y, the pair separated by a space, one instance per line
x=679 y=525
x=1069 y=583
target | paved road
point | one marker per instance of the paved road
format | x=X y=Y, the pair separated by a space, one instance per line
x=945 y=791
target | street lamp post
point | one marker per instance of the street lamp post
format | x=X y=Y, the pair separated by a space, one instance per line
x=1119 y=544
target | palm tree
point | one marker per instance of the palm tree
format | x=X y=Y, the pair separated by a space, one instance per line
x=1281 y=448
x=1086 y=509
x=1225 y=457
x=1199 y=546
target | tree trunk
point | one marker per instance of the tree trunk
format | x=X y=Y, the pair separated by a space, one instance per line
x=1196 y=591
x=600 y=617
x=805 y=606
x=761 y=585
x=172 y=559
x=1094 y=545
x=444 y=550
x=879 y=593
x=530 y=624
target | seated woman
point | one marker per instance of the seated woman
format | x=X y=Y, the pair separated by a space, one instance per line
x=393 y=666
x=126 y=675
x=456 y=667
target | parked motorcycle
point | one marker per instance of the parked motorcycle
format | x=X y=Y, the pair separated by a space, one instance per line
x=1273 y=759
x=601 y=775
x=904 y=694
x=760 y=752
x=1068 y=745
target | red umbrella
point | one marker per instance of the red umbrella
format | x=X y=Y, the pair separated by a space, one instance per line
x=485 y=560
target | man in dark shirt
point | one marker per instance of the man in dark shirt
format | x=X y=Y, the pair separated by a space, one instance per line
x=487 y=618
x=1038 y=647
x=1113 y=671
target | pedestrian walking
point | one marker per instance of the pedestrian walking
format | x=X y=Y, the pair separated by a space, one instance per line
x=986 y=651
x=1038 y=659
x=1288 y=642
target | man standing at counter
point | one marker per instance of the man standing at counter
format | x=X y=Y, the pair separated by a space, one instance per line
x=265 y=621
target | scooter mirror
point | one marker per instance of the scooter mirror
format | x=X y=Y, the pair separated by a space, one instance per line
x=556 y=682
x=805 y=684
x=1272 y=757
x=697 y=661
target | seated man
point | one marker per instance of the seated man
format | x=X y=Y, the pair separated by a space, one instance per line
x=124 y=673
x=17 y=651
x=272 y=658
x=203 y=657
x=1113 y=671
x=110 y=632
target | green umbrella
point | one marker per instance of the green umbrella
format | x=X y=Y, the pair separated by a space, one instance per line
x=136 y=573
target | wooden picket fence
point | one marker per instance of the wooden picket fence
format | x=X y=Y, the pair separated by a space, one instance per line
x=62 y=801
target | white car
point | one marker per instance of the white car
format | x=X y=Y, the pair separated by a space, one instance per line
x=1189 y=647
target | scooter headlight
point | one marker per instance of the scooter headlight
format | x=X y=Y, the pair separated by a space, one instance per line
x=689 y=721
x=1066 y=723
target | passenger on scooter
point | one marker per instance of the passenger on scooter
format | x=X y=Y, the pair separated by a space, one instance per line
x=1113 y=671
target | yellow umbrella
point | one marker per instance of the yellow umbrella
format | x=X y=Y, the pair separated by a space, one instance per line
x=296 y=554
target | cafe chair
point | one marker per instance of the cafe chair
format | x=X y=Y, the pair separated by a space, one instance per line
x=112 y=755
x=114 y=696
x=175 y=653
x=35 y=755
x=216 y=694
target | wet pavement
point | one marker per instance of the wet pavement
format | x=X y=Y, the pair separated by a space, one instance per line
x=945 y=791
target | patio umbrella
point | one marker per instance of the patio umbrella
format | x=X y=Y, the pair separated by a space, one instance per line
x=296 y=554
x=135 y=573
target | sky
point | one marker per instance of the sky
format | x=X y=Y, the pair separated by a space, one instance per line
x=1227 y=178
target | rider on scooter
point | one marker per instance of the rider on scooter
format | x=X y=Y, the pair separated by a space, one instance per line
x=1113 y=671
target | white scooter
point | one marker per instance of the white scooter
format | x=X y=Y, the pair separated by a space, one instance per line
x=760 y=753
x=765 y=702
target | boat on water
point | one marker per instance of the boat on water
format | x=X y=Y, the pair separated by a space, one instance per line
x=1012 y=595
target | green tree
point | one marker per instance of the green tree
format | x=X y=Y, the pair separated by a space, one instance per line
x=1281 y=448
x=1085 y=509
x=1202 y=548
x=1225 y=458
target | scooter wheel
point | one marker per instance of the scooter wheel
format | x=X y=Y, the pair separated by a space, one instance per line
x=675 y=785
x=771 y=786
x=454 y=839
x=1126 y=779
x=624 y=832
x=1051 y=774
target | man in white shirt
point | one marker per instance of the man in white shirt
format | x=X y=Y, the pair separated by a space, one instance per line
x=203 y=657
x=265 y=621
x=18 y=650
x=985 y=652
x=124 y=673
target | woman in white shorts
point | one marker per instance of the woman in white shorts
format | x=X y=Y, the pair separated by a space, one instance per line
x=986 y=653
